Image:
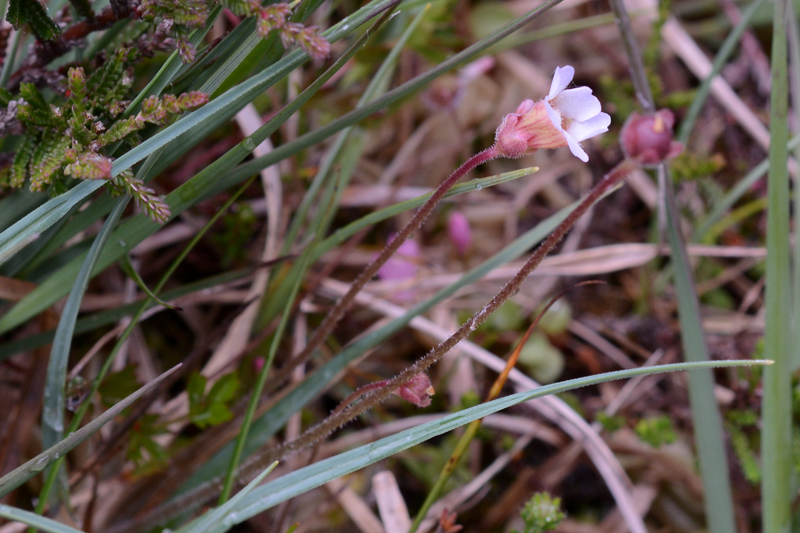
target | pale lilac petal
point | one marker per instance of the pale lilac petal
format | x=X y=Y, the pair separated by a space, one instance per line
x=555 y=116
x=589 y=128
x=562 y=77
x=576 y=149
x=577 y=104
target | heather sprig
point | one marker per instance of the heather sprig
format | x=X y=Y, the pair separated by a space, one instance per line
x=144 y=196
x=71 y=139
x=179 y=17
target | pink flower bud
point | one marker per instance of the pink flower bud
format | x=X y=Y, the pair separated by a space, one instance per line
x=417 y=391
x=459 y=231
x=647 y=139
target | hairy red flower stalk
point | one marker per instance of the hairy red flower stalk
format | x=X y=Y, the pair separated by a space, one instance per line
x=373 y=397
x=346 y=302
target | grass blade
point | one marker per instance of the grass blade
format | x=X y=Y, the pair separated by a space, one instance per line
x=320 y=379
x=288 y=303
x=214 y=179
x=53 y=413
x=55 y=383
x=23 y=473
x=34 y=520
x=776 y=434
x=313 y=476
x=706 y=418
x=725 y=51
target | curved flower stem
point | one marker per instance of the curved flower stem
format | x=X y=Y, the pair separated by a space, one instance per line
x=346 y=302
x=373 y=397
x=250 y=467
x=472 y=428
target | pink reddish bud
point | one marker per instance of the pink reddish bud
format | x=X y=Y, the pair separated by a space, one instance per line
x=258 y=364
x=459 y=231
x=417 y=391
x=647 y=139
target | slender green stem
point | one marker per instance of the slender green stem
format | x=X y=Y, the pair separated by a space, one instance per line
x=776 y=436
x=725 y=51
x=794 y=58
x=705 y=414
x=638 y=73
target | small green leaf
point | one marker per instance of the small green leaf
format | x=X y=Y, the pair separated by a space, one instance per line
x=217 y=414
x=196 y=388
x=119 y=385
x=224 y=390
x=656 y=431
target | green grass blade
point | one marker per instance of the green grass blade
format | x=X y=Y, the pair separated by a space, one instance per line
x=197 y=189
x=319 y=380
x=776 y=435
x=53 y=410
x=740 y=189
x=34 y=520
x=724 y=53
x=706 y=419
x=212 y=519
x=55 y=382
x=404 y=91
x=794 y=85
x=303 y=264
x=23 y=473
x=313 y=476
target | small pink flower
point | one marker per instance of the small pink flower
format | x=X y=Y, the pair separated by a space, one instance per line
x=565 y=118
x=459 y=231
x=417 y=391
x=403 y=265
x=647 y=139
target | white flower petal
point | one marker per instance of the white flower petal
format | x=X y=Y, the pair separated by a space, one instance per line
x=555 y=116
x=562 y=77
x=576 y=149
x=577 y=104
x=589 y=128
